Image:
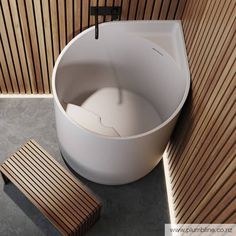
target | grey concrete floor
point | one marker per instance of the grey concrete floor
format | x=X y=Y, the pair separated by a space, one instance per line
x=134 y=209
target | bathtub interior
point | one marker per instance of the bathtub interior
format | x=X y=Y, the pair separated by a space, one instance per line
x=123 y=61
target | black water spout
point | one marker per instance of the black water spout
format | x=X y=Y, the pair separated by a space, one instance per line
x=96 y=11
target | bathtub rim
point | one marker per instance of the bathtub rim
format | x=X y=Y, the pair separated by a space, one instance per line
x=141 y=135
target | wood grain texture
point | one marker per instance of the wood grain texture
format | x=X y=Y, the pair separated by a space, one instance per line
x=14 y=50
x=34 y=32
x=56 y=193
x=202 y=151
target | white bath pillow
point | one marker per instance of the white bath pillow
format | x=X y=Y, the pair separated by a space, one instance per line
x=127 y=112
x=89 y=120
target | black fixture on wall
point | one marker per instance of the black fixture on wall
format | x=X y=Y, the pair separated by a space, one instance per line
x=114 y=12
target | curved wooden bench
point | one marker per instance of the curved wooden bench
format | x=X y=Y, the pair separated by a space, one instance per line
x=64 y=201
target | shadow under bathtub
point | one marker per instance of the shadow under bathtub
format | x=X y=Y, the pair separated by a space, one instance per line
x=30 y=210
x=138 y=208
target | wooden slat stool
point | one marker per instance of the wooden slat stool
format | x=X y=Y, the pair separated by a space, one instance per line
x=66 y=203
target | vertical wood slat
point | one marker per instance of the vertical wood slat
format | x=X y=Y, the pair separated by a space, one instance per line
x=4 y=68
x=202 y=164
x=63 y=200
x=125 y=9
x=42 y=47
x=7 y=56
x=55 y=28
x=48 y=39
x=39 y=30
x=180 y=9
x=85 y=10
x=27 y=45
x=132 y=9
x=207 y=82
x=204 y=116
x=77 y=17
x=13 y=45
x=69 y=19
x=149 y=9
x=28 y=5
x=219 y=201
x=62 y=23
x=164 y=9
x=172 y=10
x=157 y=9
x=212 y=49
x=2 y=81
x=141 y=10
x=20 y=45
x=93 y=3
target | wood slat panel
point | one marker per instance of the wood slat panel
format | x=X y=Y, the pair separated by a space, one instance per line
x=13 y=45
x=141 y=10
x=65 y=202
x=205 y=75
x=157 y=9
x=48 y=39
x=132 y=9
x=27 y=45
x=202 y=113
x=6 y=57
x=34 y=32
x=205 y=117
x=202 y=151
x=172 y=9
x=217 y=204
x=55 y=28
x=5 y=70
x=69 y=19
x=149 y=9
x=20 y=45
x=85 y=16
x=180 y=9
x=77 y=18
x=35 y=199
x=31 y=24
x=62 y=23
x=42 y=47
x=164 y=9
x=2 y=81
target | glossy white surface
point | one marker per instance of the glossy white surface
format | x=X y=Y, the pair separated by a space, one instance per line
x=147 y=58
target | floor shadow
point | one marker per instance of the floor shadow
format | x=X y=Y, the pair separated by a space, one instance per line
x=138 y=208
x=30 y=210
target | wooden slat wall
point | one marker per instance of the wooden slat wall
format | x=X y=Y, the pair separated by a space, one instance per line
x=33 y=32
x=202 y=151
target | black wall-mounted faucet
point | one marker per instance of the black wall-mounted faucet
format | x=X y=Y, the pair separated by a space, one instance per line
x=114 y=12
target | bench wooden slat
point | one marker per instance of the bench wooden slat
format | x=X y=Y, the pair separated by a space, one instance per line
x=66 y=176
x=34 y=199
x=32 y=195
x=71 y=179
x=66 y=202
x=37 y=189
x=47 y=167
x=52 y=181
x=36 y=176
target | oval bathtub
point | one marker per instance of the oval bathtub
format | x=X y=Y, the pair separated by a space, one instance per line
x=125 y=55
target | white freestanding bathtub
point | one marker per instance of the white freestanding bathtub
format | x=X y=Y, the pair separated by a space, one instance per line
x=146 y=57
